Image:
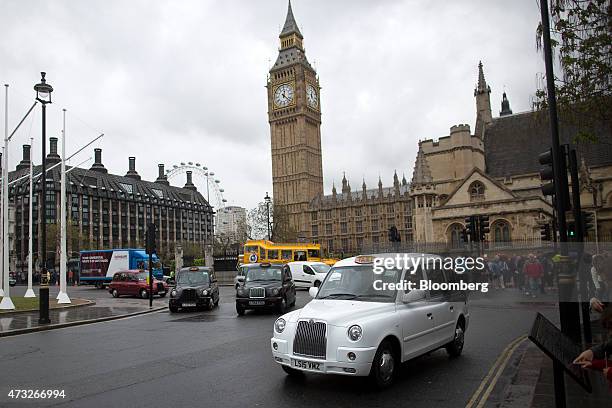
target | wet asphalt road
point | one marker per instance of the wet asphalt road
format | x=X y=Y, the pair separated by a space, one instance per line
x=216 y=359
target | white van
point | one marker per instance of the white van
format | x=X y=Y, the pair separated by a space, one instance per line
x=308 y=274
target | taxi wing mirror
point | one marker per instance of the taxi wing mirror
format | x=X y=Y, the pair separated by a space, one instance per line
x=413 y=296
x=240 y=278
x=313 y=292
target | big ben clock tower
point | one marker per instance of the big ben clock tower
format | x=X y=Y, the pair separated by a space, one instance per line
x=294 y=113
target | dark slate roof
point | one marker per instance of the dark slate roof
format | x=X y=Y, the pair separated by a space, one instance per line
x=290 y=26
x=87 y=181
x=513 y=143
x=289 y=56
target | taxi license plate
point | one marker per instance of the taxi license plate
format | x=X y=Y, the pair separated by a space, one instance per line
x=189 y=304
x=306 y=365
x=257 y=302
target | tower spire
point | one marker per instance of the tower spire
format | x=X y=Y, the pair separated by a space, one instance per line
x=482 y=93
x=290 y=26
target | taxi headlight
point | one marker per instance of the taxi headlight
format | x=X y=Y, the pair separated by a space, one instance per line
x=173 y=293
x=275 y=291
x=205 y=292
x=241 y=291
x=279 y=325
x=355 y=332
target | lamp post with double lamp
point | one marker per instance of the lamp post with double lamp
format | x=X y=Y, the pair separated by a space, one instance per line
x=43 y=95
x=267 y=199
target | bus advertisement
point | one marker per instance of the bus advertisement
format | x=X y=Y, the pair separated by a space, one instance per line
x=98 y=266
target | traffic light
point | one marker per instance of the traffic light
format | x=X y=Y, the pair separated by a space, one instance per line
x=545 y=232
x=483 y=226
x=470 y=228
x=151 y=236
x=571 y=230
x=587 y=222
x=547 y=172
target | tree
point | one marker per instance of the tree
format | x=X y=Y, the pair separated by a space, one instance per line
x=581 y=37
x=257 y=223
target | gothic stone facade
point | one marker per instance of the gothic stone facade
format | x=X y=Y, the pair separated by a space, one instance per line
x=493 y=171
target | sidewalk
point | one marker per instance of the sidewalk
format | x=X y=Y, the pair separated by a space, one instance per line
x=529 y=383
x=100 y=308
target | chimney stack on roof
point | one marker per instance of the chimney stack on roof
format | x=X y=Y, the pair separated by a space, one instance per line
x=97 y=165
x=161 y=176
x=132 y=173
x=189 y=185
x=53 y=157
x=25 y=161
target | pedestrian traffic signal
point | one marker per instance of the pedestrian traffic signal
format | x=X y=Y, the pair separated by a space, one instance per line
x=587 y=222
x=545 y=232
x=483 y=226
x=470 y=228
x=547 y=172
x=571 y=230
x=151 y=237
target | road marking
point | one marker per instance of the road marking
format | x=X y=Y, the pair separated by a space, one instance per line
x=494 y=372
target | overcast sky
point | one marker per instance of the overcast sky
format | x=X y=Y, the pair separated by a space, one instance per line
x=173 y=81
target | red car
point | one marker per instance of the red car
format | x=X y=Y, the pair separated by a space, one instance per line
x=135 y=283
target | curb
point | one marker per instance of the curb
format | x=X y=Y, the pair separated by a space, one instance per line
x=88 y=303
x=76 y=323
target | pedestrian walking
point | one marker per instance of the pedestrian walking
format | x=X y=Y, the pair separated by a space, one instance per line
x=533 y=272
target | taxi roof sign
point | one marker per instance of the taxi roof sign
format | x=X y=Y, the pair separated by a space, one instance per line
x=364 y=259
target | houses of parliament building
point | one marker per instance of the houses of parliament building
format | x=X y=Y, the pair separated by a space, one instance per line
x=491 y=170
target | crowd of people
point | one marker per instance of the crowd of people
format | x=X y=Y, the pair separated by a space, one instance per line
x=530 y=274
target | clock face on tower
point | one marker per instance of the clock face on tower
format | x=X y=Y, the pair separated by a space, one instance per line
x=283 y=95
x=311 y=96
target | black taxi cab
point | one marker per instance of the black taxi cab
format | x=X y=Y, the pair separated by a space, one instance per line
x=265 y=286
x=196 y=287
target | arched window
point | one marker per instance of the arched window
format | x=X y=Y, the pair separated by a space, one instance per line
x=454 y=236
x=477 y=191
x=501 y=231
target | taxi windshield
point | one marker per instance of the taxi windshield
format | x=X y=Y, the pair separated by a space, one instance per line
x=357 y=283
x=192 y=278
x=263 y=274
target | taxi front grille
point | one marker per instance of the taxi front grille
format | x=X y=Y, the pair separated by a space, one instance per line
x=257 y=293
x=189 y=294
x=310 y=339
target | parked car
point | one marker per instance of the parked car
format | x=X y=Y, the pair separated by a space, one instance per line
x=307 y=274
x=352 y=328
x=196 y=287
x=12 y=279
x=135 y=283
x=265 y=286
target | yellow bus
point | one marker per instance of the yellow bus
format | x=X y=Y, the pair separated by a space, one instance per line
x=278 y=253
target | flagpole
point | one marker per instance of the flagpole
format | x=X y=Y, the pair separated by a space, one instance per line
x=6 y=303
x=62 y=296
x=30 y=292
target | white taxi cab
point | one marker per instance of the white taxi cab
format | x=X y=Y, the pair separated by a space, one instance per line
x=360 y=324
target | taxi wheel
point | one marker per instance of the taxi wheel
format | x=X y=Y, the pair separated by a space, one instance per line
x=144 y=294
x=292 y=371
x=211 y=304
x=162 y=295
x=115 y=293
x=455 y=347
x=240 y=310
x=173 y=309
x=384 y=365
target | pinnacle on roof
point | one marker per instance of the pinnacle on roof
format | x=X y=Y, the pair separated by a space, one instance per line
x=505 y=106
x=404 y=182
x=290 y=26
x=482 y=86
x=422 y=173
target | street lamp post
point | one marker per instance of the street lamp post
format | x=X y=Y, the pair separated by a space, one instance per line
x=267 y=199
x=43 y=95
